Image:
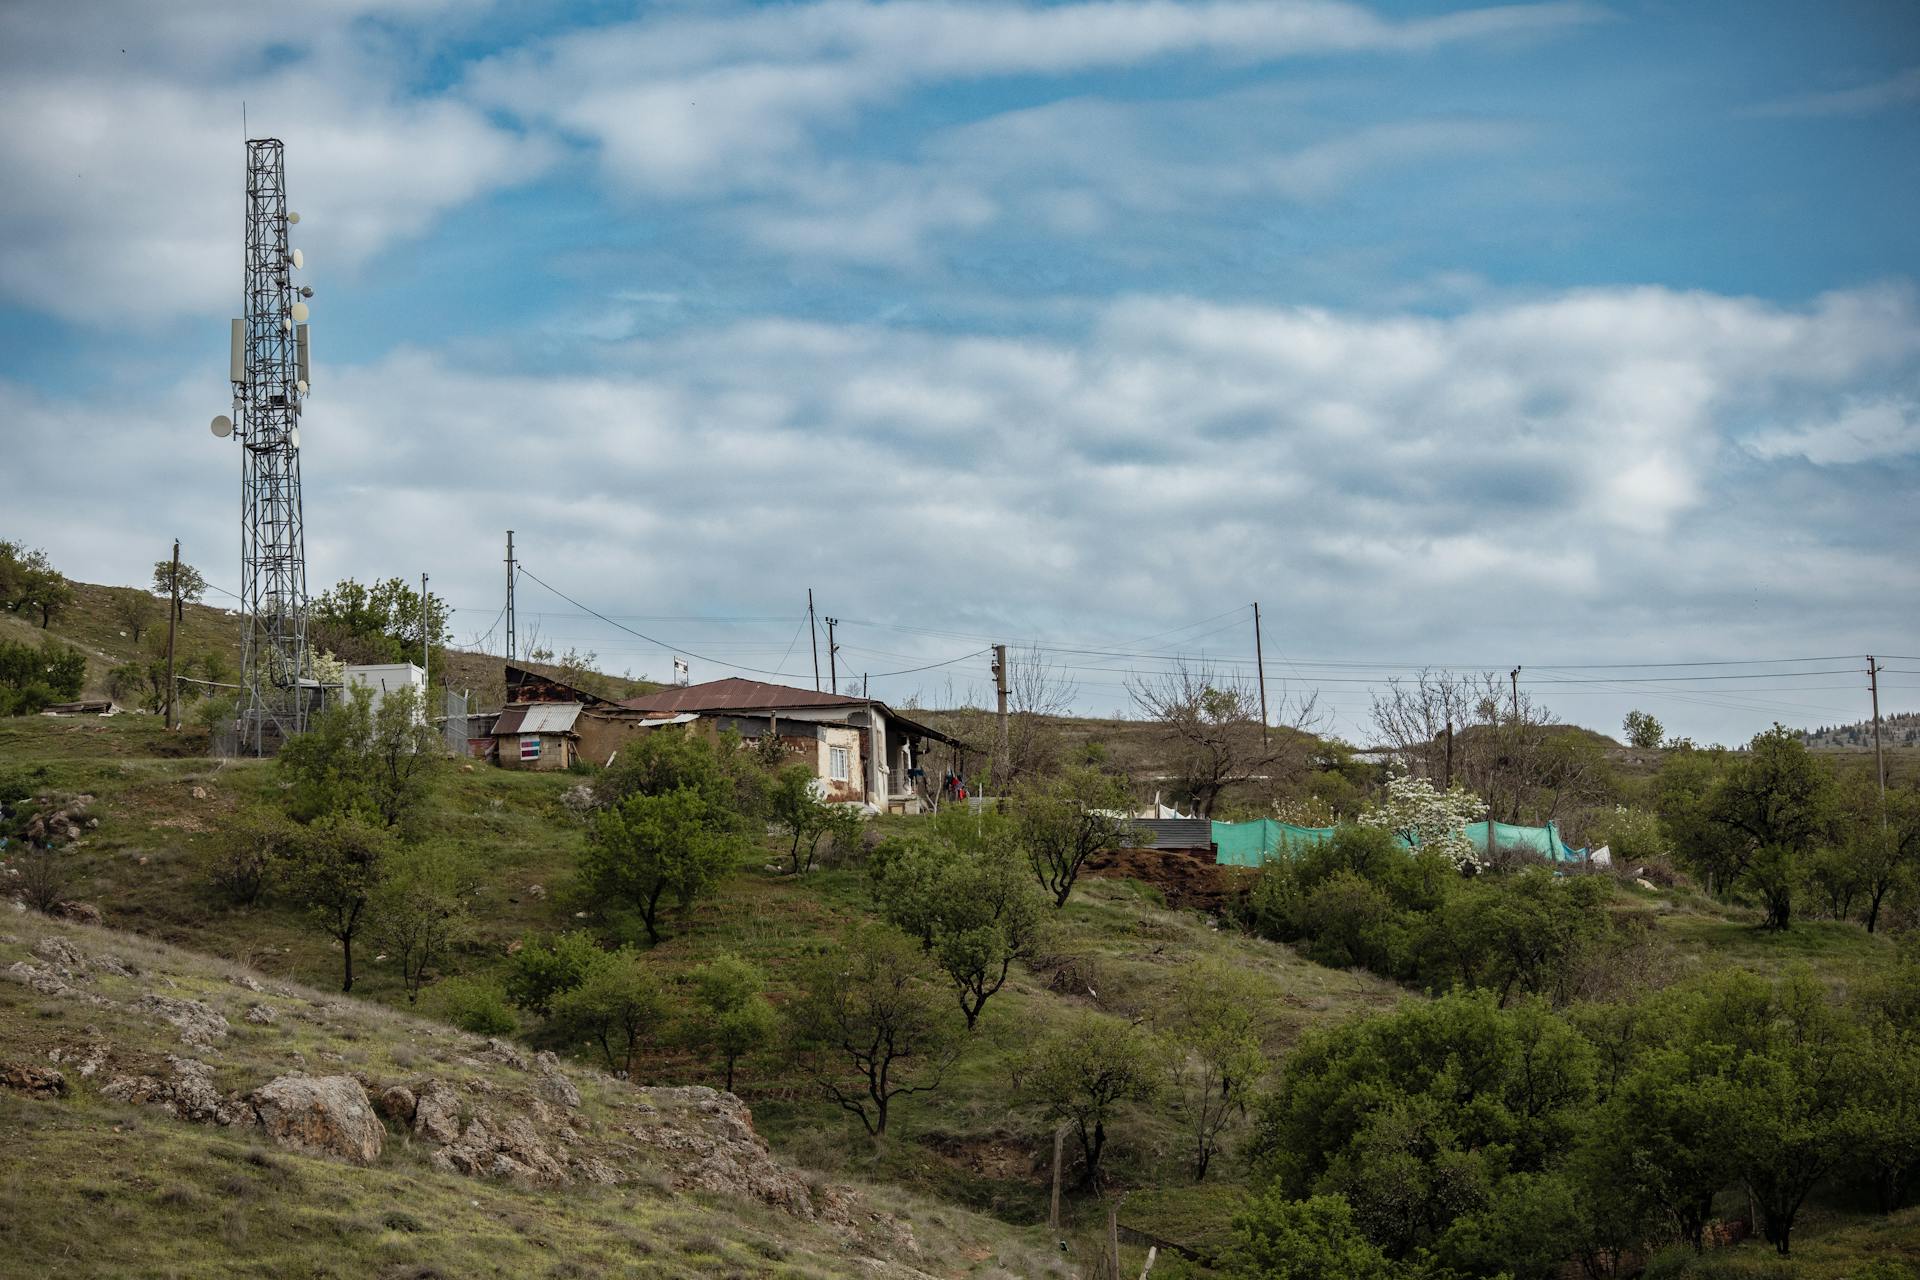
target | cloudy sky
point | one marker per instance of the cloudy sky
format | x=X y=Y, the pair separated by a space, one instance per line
x=1578 y=336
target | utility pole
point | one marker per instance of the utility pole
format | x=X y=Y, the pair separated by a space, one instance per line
x=863 y=684
x=1260 y=665
x=510 y=653
x=173 y=612
x=1449 y=781
x=426 y=625
x=1053 y=1211
x=1879 y=761
x=1000 y=690
x=833 y=650
x=814 y=630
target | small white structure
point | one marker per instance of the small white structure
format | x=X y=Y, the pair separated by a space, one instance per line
x=386 y=677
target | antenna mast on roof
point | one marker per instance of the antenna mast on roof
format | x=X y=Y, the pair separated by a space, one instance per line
x=269 y=366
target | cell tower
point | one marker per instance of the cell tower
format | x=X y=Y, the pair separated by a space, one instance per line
x=269 y=367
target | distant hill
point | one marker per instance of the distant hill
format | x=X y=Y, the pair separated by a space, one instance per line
x=1901 y=730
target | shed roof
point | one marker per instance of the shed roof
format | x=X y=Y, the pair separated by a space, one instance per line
x=1178 y=833
x=539 y=717
x=737 y=694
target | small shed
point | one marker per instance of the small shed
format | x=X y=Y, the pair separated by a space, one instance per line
x=538 y=736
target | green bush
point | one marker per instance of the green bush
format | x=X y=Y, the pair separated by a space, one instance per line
x=479 y=1007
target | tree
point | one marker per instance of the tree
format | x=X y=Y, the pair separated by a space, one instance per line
x=1430 y=819
x=1065 y=821
x=333 y=868
x=1218 y=740
x=1773 y=801
x=1413 y=720
x=382 y=622
x=869 y=1028
x=1642 y=730
x=1880 y=841
x=966 y=893
x=135 y=610
x=418 y=911
x=1660 y=1148
x=1277 y=1238
x=192 y=584
x=649 y=848
x=618 y=1005
x=544 y=969
x=733 y=1015
x=1211 y=1024
x=800 y=812
x=32 y=676
x=380 y=763
x=1084 y=1071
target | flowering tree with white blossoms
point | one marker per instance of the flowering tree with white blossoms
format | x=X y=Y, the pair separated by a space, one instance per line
x=1430 y=818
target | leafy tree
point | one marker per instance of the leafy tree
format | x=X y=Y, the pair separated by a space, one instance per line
x=32 y=676
x=1661 y=1146
x=1522 y=1232
x=1215 y=1063
x=1417 y=1117
x=1643 y=730
x=665 y=760
x=546 y=968
x=28 y=580
x=1774 y=801
x=1084 y=1071
x=964 y=890
x=618 y=1005
x=244 y=862
x=733 y=1017
x=1879 y=847
x=378 y=623
x=869 y=1028
x=135 y=610
x=1279 y=1238
x=1531 y=930
x=192 y=584
x=379 y=763
x=798 y=809
x=333 y=867
x=649 y=848
x=1889 y=1137
x=1684 y=794
x=1065 y=821
x=418 y=910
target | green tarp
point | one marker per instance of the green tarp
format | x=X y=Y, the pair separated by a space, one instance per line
x=1248 y=844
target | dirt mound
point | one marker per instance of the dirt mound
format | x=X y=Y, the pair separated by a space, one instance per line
x=1184 y=879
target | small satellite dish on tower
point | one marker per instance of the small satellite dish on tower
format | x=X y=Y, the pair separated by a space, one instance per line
x=293 y=437
x=299 y=313
x=293 y=218
x=298 y=260
x=222 y=426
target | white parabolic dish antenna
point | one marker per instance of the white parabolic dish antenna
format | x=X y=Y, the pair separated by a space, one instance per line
x=298 y=261
x=299 y=313
x=293 y=437
x=222 y=426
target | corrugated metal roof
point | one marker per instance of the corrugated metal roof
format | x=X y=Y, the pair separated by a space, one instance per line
x=1178 y=833
x=737 y=694
x=540 y=717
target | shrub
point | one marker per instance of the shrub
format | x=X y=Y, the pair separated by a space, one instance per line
x=479 y=1007
x=45 y=875
x=243 y=864
x=546 y=968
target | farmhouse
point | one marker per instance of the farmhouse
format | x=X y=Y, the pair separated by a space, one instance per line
x=860 y=749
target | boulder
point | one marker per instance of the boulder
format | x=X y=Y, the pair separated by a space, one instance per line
x=555 y=1087
x=326 y=1115
x=261 y=1015
x=200 y=1025
x=436 y=1113
x=396 y=1103
x=36 y=1082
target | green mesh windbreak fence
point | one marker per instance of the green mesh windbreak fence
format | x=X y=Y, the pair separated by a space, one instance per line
x=1249 y=844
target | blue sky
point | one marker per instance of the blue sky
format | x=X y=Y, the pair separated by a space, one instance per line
x=1561 y=333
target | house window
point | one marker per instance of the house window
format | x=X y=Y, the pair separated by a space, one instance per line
x=530 y=747
x=837 y=763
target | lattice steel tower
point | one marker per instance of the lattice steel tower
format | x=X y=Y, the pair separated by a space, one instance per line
x=269 y=370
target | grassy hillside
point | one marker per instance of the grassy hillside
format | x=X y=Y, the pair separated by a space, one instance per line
x=172 y=1196
x=162 y=808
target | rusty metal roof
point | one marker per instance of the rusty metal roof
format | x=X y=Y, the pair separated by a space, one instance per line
x=539 y=717
x=736 y=694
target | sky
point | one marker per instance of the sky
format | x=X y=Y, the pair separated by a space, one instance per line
x=1579 y=337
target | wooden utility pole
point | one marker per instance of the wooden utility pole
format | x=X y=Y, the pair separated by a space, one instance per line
x=1260 y=665
x=1000 y=692
x=1449 y=779
x=833 y=650
x=863 y=684
x=813 y=629
x=1113 y=1239
x=1059 y=1147
x=173 y=612
x=1879 y=761
x=426 y=626
x=510 y=653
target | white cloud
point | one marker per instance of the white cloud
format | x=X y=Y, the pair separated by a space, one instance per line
x=1560 y=477
x=1867 y=431
x=1900 y=90
x=124 y=173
